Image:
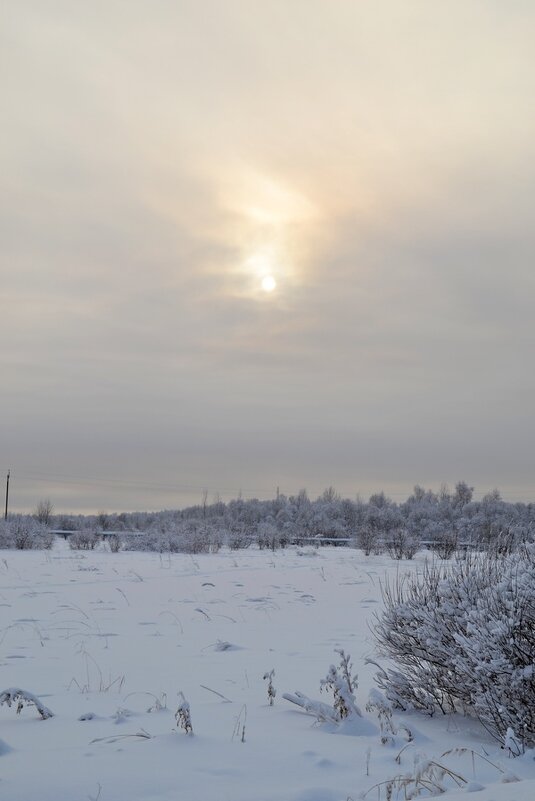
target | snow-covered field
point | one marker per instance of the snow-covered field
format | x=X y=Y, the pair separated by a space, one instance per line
x=108 y=637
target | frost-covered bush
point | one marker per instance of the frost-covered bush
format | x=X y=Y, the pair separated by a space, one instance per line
x=269 y=536
x=238 y=537
x=445 y=544
x=463 y=638
x=401 y=544
x=23 y=533
x=44 y=539
x=344 y=710
x=343 y=685
x=145 y=541
x=85 y=540
x=114 y=542
x=194 y=536
x=6 y=541
x=369 y=540
x=172 y=536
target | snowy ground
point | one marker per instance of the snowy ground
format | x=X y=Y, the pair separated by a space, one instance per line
x=108 y=634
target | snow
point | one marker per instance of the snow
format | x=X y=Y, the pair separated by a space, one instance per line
x=103 y=638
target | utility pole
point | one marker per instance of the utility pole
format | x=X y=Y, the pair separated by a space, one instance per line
x=7 y=494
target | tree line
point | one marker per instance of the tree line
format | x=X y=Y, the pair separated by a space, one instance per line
x=443 y=521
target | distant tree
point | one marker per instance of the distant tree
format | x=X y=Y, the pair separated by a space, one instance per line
x=418 y=494
x=379 y=500
x=439 y=520
x=301 y=499
x=204 y=502
x=350 y=515
x=444 y=493
x=44 y=512
x=103 y=520
x=463 y=494
x=492 y=497
x=329 y=495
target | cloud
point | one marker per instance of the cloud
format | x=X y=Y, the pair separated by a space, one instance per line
x=380 y=155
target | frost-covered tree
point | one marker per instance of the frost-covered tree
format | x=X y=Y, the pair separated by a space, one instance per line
x=463 y=495
x=441 y=521
x=44 y=511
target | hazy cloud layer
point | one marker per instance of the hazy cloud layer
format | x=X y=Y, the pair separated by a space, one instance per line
x=158 y=158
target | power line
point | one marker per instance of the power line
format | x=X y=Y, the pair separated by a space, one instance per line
x=87 y=481
x=135 y=483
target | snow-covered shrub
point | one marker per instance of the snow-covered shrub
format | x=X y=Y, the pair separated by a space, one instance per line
x=401 y=544
x=343 y=686
x=269 y=536
x=23 y=533
x=369 y=540
x=114 y=542
x=445 y=544
x=463 y=637
x=6 y=540
x=344 y=711
x=85 y=540
x=44 y=539
x=238 y=537
x=194 y=536
x=176 y=536
x=144 y=541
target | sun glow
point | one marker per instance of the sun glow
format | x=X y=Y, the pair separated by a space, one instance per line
x=265 y=270
x=268 y=283
x=274 y=225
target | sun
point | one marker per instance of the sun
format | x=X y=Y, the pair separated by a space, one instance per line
x=274 y=225
x=268 y=283
x=263 y=265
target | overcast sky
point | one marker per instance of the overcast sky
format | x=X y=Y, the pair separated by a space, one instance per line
x=165 y=163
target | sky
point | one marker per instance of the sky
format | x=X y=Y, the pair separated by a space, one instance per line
x=249 y=244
